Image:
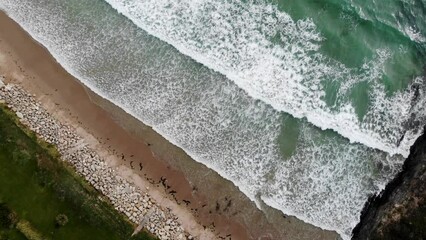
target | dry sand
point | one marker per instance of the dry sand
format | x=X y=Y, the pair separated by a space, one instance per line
x=207 y=205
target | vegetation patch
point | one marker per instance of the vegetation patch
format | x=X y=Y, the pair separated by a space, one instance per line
x=7 y=217
x=50 y=200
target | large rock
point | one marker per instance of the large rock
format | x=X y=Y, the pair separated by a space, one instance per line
x=19 y=115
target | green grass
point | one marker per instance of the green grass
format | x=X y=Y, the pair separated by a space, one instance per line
x=37 y=186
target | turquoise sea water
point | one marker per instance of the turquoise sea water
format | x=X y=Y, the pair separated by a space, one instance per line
x=308 y=106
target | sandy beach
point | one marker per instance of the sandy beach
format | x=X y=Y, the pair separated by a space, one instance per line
x=207 y=206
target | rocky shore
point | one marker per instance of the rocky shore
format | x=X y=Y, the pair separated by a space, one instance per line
x=134 y=202
x=399 y=211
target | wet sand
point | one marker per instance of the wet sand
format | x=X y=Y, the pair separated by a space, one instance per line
x=203 y=201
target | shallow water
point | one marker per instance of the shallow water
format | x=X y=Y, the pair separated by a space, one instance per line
x=245 y=87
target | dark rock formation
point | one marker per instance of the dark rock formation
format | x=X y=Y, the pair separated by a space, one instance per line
x=399 y=211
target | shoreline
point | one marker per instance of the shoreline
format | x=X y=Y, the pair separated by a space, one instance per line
x=140 y=153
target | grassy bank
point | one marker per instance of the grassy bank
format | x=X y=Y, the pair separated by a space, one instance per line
x=42 y=197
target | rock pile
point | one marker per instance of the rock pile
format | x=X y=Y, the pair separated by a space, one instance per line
x=124 y=196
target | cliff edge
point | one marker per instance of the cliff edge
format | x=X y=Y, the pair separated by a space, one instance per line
x=399 y=211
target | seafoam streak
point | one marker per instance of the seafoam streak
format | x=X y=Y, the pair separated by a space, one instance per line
x=276 y=59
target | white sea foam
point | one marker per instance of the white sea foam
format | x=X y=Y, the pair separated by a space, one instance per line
x=235 y=39
x=414 y=34
x=326 y=180
x=335 y=162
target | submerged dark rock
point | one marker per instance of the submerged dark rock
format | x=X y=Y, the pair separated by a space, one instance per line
x=399 y=211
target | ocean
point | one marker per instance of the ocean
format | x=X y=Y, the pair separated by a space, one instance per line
x=307 y=106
